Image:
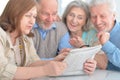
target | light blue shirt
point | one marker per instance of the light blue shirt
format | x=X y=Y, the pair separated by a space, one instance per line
x=112 y=48
x=63 y=43
x=89 y=37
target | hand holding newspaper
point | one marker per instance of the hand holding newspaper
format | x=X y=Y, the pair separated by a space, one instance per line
x=76 y=59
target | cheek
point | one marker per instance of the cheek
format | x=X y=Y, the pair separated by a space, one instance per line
x=92 y=20
x=42 y=17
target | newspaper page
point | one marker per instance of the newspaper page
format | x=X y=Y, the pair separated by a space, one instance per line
x=76 y=59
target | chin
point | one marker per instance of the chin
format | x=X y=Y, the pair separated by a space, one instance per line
x=27 y=33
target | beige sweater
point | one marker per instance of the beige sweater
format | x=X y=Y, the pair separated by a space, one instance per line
x=48 y=48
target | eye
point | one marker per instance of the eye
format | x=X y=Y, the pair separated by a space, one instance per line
x=80 y=17
x=45 y=13
x=28 y=15
x=72 y=15
x=54 y=14
x=35 y=16
x=102 y=16
x=93 y=16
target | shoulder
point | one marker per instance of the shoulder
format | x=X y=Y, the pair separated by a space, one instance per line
x=3 y=35
x=60 y=26
x=2 y=32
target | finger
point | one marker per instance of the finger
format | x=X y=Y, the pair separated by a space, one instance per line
x=88 y=72
x=65 y=50
x=99 y=34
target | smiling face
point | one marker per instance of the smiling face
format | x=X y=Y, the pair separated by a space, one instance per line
x=76 y=19
x=102 y=18
x=47 y=13
x=28 y=20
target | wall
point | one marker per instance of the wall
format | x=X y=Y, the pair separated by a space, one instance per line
x=62 y=6
x=118 y=9
x=2 y=5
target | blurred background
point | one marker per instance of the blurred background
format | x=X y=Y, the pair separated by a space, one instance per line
x=62 y=6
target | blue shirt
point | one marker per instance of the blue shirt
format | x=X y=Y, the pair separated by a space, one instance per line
x=112 y=48
x=63 y=43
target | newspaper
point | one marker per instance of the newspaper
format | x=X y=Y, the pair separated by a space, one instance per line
x=76 y=59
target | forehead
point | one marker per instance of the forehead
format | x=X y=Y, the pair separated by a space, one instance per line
x=49 y=5
x=33 y=10
x=77 y=10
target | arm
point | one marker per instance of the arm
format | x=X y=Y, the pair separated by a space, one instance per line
x=9 y=70
x=112 y=51
x=102 y=60
x=64 y=42
x=50 y=69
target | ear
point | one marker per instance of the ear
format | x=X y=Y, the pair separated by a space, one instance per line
x=114 y=16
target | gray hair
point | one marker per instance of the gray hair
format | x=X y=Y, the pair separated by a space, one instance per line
x=111 y=4
x=78 y=4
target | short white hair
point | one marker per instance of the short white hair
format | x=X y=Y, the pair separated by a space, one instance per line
x=111 y=4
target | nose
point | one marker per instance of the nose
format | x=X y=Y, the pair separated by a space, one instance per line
x=74 y=20
x=32 y=20
x=50 y=18
x=97 y=20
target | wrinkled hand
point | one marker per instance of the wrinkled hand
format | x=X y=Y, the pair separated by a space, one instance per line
x=62 y=54
x=54 y=68
x=90 y=66
x=103 y=37
x=76 y=41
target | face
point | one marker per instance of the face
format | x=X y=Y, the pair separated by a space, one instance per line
x=76 y=19
x=28 y=20
x=102 y=17
x=47 y=13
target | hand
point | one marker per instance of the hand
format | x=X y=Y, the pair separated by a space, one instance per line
x=62 y=54
x=90 y=66
x=54 y=68
x=103 y=37
x=76 y=41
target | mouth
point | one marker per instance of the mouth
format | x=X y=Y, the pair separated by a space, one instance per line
x=29 y=27
x=72 y=25
x=100 y=27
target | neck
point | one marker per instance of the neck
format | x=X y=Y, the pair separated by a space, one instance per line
x=43 y=26
x=76 y=33
x=13 y=37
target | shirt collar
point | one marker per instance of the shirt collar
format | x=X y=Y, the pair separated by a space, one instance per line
x=115 y=27
x=25 y=38
x=53 y=26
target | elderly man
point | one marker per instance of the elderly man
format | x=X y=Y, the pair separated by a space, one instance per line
x=50 y=36
x=103 y=18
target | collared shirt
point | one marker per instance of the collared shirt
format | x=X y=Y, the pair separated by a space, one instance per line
x=43 y=32
x=8 y=65
x=112 y=48
x=63 y=41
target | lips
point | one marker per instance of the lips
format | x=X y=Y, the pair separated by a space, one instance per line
x=29 y=27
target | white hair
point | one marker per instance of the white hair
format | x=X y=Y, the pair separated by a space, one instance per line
x=111 y=4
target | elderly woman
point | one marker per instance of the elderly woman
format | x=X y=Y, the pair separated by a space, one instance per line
x=82 y=34
x=18 y=58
